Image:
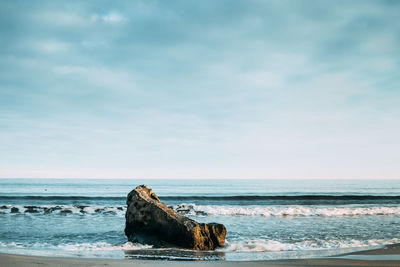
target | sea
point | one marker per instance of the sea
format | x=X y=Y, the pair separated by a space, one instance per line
x=265 y=219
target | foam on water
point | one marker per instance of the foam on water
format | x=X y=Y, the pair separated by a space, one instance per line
x=214 y=210
x=206 y=210
x=254 y=246
x=100 y=246
x=260 y=245
x=63 y=209
x=264 y=219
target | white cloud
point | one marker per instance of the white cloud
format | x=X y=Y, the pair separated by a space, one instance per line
x=110 y=18
x=206 y=93
x=51 y=46
x=61 y=18
x=88 y=44
x=99 y=76
x=382 y=43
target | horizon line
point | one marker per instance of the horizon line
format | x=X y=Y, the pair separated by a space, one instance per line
x=205 y=178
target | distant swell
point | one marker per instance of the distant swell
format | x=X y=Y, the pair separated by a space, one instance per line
x=217 y=198
x=59 y=198
x=285 y=197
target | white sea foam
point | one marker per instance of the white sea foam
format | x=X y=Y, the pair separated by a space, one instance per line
x=102 y=246
x=218 y=210
x=11 y=245
x=65 y=209
x=97 y=246
x=192 y=209
x=255 y=245
x=259 y=245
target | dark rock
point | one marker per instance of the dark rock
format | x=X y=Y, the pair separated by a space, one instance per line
x=110 y=212
x=51 y=209
x=14 y=210
x=183 y=209
x=65 y=211
x=31 y=209
x=150 y=221
x=81 y=208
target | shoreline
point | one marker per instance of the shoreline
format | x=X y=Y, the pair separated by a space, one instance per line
x=386 y=256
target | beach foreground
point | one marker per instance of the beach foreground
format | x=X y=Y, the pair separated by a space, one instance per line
x=388 y=256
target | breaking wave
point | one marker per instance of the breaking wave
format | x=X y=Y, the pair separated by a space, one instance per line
x=96 y=249
x=255 y=245
x=98 y=246
x=202 y=210
x=259 y=245
x=214 y=210
x=63 y=209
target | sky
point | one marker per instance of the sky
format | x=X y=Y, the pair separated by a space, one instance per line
x=200 y=89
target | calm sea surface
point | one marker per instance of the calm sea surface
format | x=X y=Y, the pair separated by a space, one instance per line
x=265 y=219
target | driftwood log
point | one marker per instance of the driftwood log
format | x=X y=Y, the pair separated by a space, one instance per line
x=150 y=221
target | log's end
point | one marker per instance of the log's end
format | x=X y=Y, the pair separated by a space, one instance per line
x=217 y=233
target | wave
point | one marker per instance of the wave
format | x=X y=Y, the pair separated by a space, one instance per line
x=63 y=209
x=97 y=246
x=268 y=211
x=216 y=198
x=60 y=198
x=212 y=210
x=254 y=245
x=284 y=197
x=103 y=246
x=260 y=245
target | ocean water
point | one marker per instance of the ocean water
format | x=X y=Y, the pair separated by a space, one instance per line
x=265 y=219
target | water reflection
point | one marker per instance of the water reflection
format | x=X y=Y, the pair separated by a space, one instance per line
x=193 y=255
x=175 y=254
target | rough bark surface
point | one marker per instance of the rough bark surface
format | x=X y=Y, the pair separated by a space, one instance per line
x=150 y=221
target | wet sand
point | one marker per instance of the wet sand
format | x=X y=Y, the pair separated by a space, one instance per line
x=377 y=257
x=387 y=250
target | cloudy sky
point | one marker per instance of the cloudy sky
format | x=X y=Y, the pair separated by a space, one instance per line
x=200 y=89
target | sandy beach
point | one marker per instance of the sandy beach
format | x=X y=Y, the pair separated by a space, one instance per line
x=387 y=256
